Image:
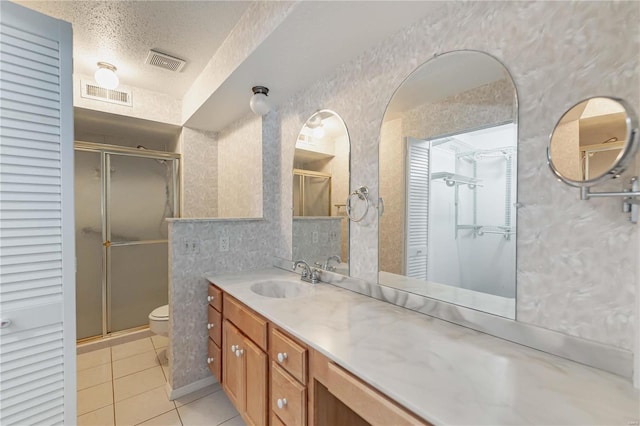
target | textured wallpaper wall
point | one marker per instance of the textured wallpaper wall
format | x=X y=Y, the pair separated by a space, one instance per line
x=199 y=151
x=251 y=243
x=577 y=260
x=240 y=168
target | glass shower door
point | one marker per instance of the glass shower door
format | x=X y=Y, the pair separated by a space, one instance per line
x=140 y=195
x=89 y=238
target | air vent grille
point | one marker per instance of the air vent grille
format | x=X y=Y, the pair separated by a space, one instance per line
x=91 y=90
x=165 y=61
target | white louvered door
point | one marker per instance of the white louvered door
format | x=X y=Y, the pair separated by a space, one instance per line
x=37 y=259
x=417 y=208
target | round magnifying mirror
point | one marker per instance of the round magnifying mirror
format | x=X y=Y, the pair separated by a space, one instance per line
x=593 y=141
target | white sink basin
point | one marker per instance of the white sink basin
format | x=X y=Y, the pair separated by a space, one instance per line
x=281 y=289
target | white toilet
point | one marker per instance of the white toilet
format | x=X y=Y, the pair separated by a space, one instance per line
x=159 y=320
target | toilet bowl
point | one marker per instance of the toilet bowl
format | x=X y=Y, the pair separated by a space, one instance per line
x=159 y=320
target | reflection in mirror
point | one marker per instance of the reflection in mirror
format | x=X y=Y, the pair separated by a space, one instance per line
x=448 y=176
x=588 y=142
x=320 y=188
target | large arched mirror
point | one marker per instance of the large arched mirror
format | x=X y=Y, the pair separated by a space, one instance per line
x=320 y=187
x=448 y=177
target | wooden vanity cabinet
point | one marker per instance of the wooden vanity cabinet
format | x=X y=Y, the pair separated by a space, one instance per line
x=245 y=366
x=272 y=378
x=288 y=375
x=214 y=329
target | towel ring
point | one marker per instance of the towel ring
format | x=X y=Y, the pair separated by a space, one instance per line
x=363 y=194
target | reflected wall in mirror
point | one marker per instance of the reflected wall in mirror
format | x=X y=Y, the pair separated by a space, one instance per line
x=589 y=141
x=320 y=187
x=448 y=177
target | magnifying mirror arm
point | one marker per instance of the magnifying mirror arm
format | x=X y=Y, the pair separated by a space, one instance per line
x=630 y=202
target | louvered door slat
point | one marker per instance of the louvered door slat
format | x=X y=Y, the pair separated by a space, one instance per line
x=36 y=159
x=29 y=72
x=35 y=110
x=417 y=214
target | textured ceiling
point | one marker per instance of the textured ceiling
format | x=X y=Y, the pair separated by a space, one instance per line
x=122 y=32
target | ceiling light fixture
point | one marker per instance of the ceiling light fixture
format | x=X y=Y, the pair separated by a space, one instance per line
x=106 y=76
x=259 y=103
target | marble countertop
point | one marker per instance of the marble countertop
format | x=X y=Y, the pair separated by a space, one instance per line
x=447 y=374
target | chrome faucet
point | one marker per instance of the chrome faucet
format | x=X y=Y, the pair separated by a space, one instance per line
x=326 y=265
x=309 y=274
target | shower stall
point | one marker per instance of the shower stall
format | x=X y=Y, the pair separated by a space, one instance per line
x=122 y=197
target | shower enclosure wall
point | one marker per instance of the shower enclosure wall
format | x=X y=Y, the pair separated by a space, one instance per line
x=122 y=196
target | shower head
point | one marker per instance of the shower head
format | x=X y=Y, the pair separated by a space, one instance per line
x=159 y=161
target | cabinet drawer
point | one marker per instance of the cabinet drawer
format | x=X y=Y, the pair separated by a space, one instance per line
x=215 y=326
x=289 y=355
x=292 y=396
x=365 y=401
x=215 y=297
x=214 y=359
x=253 y=326
x=275 y=420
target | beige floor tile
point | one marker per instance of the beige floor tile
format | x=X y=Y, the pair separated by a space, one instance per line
x=100 y=417
x=94 y=376
x=236 y=421
x=93 y=359
x=136 y=347
x=210 y=410
x=167 y=419
x=95 y=397
x=145 y=406
x=162 y=356
x=133 y=364
x=201 y=393
x=165 y=370
x=136 y=383
x=159 y=341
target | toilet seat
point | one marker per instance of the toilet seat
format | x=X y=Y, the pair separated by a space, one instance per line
x=160 y=314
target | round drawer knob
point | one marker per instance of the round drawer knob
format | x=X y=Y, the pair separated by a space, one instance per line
x=210 y=360
x=210 y=298
x=210 y=326
x=282 y=403
x=239 y=352
x=282 y=356
x=234 y=348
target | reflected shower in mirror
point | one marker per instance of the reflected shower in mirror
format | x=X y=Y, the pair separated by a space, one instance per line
x=320 y=188
x=448 y=177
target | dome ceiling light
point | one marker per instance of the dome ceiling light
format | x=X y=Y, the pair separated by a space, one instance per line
x=106 y=76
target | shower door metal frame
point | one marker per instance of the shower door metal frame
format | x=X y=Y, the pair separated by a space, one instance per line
x=105 y=152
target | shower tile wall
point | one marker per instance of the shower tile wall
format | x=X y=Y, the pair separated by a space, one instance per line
x=199 y=151
x=579 y=279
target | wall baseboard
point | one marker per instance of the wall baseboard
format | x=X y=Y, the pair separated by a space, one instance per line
x=190 y=388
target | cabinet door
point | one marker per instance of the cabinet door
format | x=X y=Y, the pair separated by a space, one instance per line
x=233 y=366
x=256 y=382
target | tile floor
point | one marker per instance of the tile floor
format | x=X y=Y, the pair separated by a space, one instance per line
x=126 y=385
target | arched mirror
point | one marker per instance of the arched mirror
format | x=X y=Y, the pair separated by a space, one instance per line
x=448 y=178
x=320 y=187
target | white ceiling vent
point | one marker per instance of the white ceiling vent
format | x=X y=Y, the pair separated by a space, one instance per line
x=164 y=61
x=91 y=90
